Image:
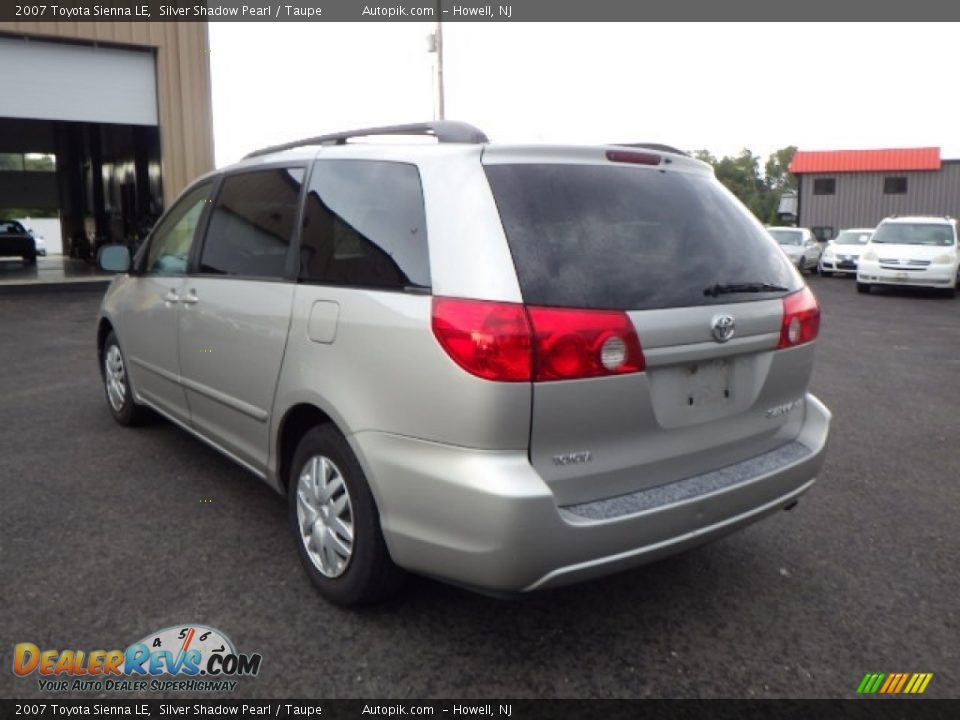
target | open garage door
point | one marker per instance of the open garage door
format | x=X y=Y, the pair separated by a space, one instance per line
x=77 y=83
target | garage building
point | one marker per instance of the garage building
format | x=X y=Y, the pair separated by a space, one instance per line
x=124 y=108
x=840 y=189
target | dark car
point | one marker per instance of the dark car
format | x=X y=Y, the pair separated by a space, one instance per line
x=15 y=241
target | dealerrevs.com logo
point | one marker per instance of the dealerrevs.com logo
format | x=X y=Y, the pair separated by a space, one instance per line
x=188 y=658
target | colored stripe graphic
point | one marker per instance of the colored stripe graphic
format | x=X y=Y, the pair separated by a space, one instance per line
x=903 y=679
x=894 y=683
x=891 y=681
x=871 y=683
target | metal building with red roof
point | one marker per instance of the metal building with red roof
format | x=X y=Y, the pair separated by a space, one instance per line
x=858 y=188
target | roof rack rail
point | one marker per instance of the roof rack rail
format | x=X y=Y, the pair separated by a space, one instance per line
x=445 y=131
x=655 y=146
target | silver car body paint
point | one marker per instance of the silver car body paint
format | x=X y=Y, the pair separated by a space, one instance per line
x=465 y=471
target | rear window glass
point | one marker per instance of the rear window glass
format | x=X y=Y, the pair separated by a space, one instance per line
x=787 y=237
x=628 y=238
x=851 y=237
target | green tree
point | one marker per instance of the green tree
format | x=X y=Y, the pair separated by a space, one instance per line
x=777 y=175
x=741 y=175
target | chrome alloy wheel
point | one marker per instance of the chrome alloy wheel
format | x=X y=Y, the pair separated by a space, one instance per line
x=115 y=377
x=325 y=516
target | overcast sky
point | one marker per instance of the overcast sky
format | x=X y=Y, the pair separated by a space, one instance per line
x=716 y=86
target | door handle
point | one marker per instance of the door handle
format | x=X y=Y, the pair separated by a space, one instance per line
x=191 y=298
x=171 y=297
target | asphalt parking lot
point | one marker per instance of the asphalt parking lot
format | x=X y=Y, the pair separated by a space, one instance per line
x=108 y=533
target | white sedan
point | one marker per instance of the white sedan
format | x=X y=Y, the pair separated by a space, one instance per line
x=843 y=252
x=800 y=246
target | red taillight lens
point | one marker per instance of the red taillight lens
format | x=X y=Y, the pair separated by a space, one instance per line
x=801 y=319
x=487 y=339
x=513 y=343
x=573 y=344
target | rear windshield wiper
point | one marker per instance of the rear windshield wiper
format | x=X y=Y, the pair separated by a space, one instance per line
x=729 y=288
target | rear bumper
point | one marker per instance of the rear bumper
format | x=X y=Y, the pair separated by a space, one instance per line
x=486 y=520
x=944 y=276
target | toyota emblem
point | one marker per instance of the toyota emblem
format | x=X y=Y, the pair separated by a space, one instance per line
x=723 y=327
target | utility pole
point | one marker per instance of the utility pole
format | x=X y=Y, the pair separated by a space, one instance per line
x=439 y=46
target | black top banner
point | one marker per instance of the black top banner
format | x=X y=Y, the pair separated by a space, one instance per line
x=475 y=10
x=500 y=709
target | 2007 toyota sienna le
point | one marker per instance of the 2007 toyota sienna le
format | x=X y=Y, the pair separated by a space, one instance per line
x=510 y=367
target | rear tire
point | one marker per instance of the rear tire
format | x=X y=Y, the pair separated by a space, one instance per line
x=29 y=259
x=336 y=524
x=116 y=385
x=863 y=288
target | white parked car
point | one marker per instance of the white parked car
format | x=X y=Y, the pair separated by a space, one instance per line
x=842 y=254
x=39 y=243
x=800 y=245
x=918 y=251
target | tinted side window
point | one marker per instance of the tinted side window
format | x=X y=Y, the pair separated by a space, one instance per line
x=364 y=225
x=171 y=240
x=251 y=223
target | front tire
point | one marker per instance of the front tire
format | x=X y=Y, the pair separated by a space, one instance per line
x=826 y=273
x=336 y=523
x=863 y=288
x=116 y=385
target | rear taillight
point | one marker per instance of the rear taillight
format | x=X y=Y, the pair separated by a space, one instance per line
x=801 y=319
x=513 y=343
x=573 y=344
x=487 y=339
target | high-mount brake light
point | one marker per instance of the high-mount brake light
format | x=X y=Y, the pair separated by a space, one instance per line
x=637 y=158
x=801 y=319
x=510 y=342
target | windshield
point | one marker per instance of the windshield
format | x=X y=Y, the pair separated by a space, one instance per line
x=787 y=237
x=937 y=234
x=852 y=237
x=596 y=236
x=11 y=227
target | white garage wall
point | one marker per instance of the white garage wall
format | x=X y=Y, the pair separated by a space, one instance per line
x=48 y=229
x=57 y=81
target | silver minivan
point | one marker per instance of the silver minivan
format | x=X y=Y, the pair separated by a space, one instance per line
x=509 y=367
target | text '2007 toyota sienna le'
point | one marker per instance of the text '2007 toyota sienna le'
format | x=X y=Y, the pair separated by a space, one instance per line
x=509 y=367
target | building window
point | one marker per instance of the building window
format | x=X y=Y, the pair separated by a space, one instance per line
x=825 y=186
x=823 y=233
x=894 y=186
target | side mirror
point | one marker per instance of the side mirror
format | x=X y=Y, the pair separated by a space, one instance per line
x=114 y=258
